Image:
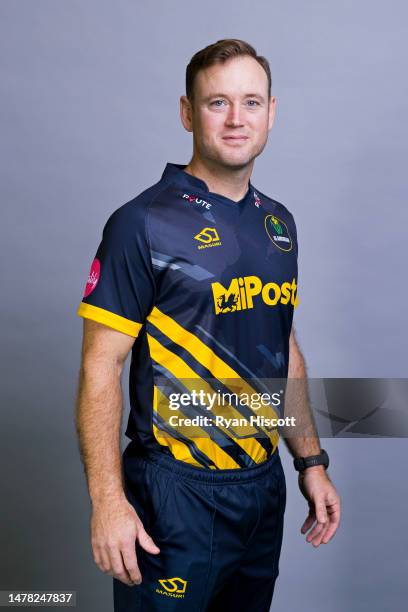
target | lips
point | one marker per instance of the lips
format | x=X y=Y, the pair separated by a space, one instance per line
x=235 y=140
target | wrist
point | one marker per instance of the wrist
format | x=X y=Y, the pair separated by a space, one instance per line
x=313 y=469
x=302 y=463
x=107 y=498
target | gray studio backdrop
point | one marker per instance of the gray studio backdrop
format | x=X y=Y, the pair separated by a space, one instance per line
x=89 y=118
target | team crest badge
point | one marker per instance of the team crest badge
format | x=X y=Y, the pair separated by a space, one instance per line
x=278 y=232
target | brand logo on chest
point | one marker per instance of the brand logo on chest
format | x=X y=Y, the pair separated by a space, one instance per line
x=242 y=290
x=209 y=237
x=196 y=200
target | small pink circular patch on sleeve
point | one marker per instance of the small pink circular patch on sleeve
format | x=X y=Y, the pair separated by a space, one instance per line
x=93 y=277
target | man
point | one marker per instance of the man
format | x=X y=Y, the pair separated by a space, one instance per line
x=197 y=277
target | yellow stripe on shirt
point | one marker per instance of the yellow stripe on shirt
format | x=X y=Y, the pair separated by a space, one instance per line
x=100 y=315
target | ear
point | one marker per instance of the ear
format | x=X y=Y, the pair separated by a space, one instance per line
x=272 y=108
x=186 y=113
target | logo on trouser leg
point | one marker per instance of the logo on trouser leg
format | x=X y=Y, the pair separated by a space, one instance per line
x=174 y=587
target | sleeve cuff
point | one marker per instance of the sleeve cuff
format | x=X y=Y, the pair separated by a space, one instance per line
x=126 y=326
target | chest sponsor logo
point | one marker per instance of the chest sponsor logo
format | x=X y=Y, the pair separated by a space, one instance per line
x=242 y=290
x=172 y=587
x=278 y=232
x=208 y=237
x=195 y=200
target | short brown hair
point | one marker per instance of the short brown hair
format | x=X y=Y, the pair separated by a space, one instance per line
x=218 y=53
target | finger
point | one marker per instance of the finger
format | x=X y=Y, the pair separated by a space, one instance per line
x=321 y=518
x=104 y=561
x=321 y=511
x=118 y=569
x=332 y=524
x=130 y=563
x=315 y=532
x=331 y=530
x=96 y=554
x=334 y=513
x=317 y=540
x=308 y=522
x=334 y=521
x=321 y=521
x=146 y=541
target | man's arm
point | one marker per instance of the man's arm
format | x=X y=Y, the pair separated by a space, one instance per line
x=115 y=525
x=306 y=441
x=314 y=482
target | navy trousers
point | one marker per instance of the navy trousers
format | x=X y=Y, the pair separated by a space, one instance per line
x=219 y=534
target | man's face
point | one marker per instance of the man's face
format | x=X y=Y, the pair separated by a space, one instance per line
x=231 y=115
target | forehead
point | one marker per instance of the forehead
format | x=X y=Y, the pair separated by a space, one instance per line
x=237 y=76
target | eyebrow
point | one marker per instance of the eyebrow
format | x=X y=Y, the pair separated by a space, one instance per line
x=223 y=95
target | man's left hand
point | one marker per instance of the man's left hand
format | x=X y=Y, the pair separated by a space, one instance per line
x=324 y=505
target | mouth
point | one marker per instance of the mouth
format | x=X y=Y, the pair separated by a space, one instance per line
x=233 y=139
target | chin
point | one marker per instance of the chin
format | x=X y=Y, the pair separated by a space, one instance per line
x=239 y=156
x=240 y=160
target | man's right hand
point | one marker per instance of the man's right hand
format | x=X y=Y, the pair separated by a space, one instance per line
x=115 y=527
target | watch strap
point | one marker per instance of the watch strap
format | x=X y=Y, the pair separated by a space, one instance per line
x=301 y=463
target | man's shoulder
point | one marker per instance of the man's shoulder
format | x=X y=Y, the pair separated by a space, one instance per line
x=130 y=217
x=136 y=208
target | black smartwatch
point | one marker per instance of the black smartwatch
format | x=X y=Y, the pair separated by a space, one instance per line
x=301 y=463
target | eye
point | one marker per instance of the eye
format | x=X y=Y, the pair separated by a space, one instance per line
x=215 y=102
x=253 y=103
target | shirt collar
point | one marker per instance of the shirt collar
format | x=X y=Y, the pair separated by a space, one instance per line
x=175 y=173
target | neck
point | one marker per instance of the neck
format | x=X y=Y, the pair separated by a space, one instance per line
x=228 y=182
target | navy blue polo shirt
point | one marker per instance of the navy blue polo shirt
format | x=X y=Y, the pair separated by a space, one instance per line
x=207 y=287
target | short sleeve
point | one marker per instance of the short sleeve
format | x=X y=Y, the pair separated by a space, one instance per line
x=294 y=234
x=120 y=289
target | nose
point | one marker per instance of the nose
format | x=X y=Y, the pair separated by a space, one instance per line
x=234 y=118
